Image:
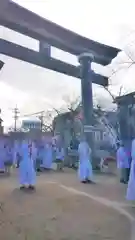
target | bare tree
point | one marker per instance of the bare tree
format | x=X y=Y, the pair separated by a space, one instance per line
x=125 y=61
x=128 y=56
x=68 y=107
x=120 y=93
x=71 y=103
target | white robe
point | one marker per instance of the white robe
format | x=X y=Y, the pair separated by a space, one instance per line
x=85 y=166
x=47 y=157
x=60 y=154
x=9 y=152
x=2 y=158
x=27 y=172
x=131 y=182
x=16 y=150
x=34 y=154
x=122 y=158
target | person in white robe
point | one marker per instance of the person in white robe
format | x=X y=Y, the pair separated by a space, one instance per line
x=16 y=153
x=123 y=164
x=59 y=155
x=47 y=156
x=41 y=155
x=27 y=172
x=85 y=173
x=131 y=183
x=39 y=158
x=34 y=153
x=8 y=158
x=2 y=157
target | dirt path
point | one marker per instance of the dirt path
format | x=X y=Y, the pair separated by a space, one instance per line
x=57 y=212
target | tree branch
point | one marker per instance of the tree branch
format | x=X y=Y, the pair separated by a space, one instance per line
x=112 y=96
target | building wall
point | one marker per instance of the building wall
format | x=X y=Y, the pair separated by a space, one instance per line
x=27 y=124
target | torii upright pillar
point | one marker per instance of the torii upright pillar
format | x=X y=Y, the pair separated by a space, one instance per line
x=85 y=60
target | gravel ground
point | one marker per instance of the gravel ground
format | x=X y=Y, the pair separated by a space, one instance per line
x=52 y=213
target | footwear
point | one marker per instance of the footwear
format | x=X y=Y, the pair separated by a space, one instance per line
x=125 y=182
x=22 y=187
x=122 y=181
x=84 y=181
x=89 y=181
x=31 y=187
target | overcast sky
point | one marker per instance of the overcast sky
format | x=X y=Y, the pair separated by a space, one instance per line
x=34 y=88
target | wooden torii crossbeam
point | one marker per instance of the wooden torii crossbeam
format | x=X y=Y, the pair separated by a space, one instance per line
x=28 y=23
x=34 y=57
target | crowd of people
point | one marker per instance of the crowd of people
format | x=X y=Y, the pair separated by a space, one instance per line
x=30 y=157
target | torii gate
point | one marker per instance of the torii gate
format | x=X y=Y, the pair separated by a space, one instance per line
x=28 y=23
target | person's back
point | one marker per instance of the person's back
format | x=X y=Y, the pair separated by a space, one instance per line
x=8 y=159
x=48 y=157
x=27 y=171
x=60 y=153
x=123 y=164
x=34 y=152
x=25 y=152
x=121 y=157
x=85 y=168
x=84 y=151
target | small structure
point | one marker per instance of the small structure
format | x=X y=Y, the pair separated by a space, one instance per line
x=126 y=116
x=31 y=124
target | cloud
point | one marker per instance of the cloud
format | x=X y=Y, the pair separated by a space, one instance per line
x=9 y=97
x=34 y=88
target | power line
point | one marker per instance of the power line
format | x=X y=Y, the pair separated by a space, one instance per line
x=32 y=114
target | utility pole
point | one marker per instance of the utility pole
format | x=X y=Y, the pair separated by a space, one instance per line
x=16 y=112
